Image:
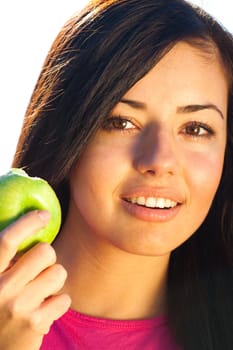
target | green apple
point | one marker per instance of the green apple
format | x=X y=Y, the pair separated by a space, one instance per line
x=19 y=194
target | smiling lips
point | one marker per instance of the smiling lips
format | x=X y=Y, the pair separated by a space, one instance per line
x=159 y=206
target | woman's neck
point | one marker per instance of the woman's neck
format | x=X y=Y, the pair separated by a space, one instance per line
x=104 y=281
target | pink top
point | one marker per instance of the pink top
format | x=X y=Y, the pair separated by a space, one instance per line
x=74 y=331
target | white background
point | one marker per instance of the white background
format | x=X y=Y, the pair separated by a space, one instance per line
x=27 y=29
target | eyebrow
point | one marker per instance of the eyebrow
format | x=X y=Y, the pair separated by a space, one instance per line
x=182 y=109
x=197 y=107
x=133 y=103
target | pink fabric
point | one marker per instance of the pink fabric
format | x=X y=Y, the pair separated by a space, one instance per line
x=74 y=331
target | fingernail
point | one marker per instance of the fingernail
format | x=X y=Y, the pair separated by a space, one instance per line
x=44 y=215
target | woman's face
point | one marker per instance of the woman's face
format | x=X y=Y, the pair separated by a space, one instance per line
x=147 y=180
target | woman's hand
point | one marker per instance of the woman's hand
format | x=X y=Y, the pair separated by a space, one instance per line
x=29 y=286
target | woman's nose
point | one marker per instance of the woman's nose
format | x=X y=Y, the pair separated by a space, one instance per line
x=155 y=154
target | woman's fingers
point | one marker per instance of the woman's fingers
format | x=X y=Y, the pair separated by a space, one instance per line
x=52 y=309
x=47 y=283
x=30 y=284
x=26 y=269
x=13 y=235
x=25 y=331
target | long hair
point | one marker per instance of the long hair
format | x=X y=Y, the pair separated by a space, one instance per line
x=99 y=54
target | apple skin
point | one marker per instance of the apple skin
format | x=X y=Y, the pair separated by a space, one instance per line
x=19 y=194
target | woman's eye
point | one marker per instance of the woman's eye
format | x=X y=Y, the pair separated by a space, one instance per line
x=118 y=123
x=198 y=129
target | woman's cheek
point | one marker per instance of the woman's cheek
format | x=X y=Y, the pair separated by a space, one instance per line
x=205 y=172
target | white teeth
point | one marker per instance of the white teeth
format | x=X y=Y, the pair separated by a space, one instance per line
x=169 y=203
x=141 y=200
x=152 y=202
x=160 y=203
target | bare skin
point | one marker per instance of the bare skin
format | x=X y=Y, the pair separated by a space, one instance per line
x=29 y=302
x=109 y=283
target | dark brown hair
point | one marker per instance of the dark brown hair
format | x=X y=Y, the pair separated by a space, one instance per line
x=97 y=56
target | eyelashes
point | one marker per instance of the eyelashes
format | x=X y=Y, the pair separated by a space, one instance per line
x=197 y=129
x=194 y=129
x=119 y=124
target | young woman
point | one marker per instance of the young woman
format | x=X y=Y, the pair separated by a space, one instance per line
x=131 y=123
